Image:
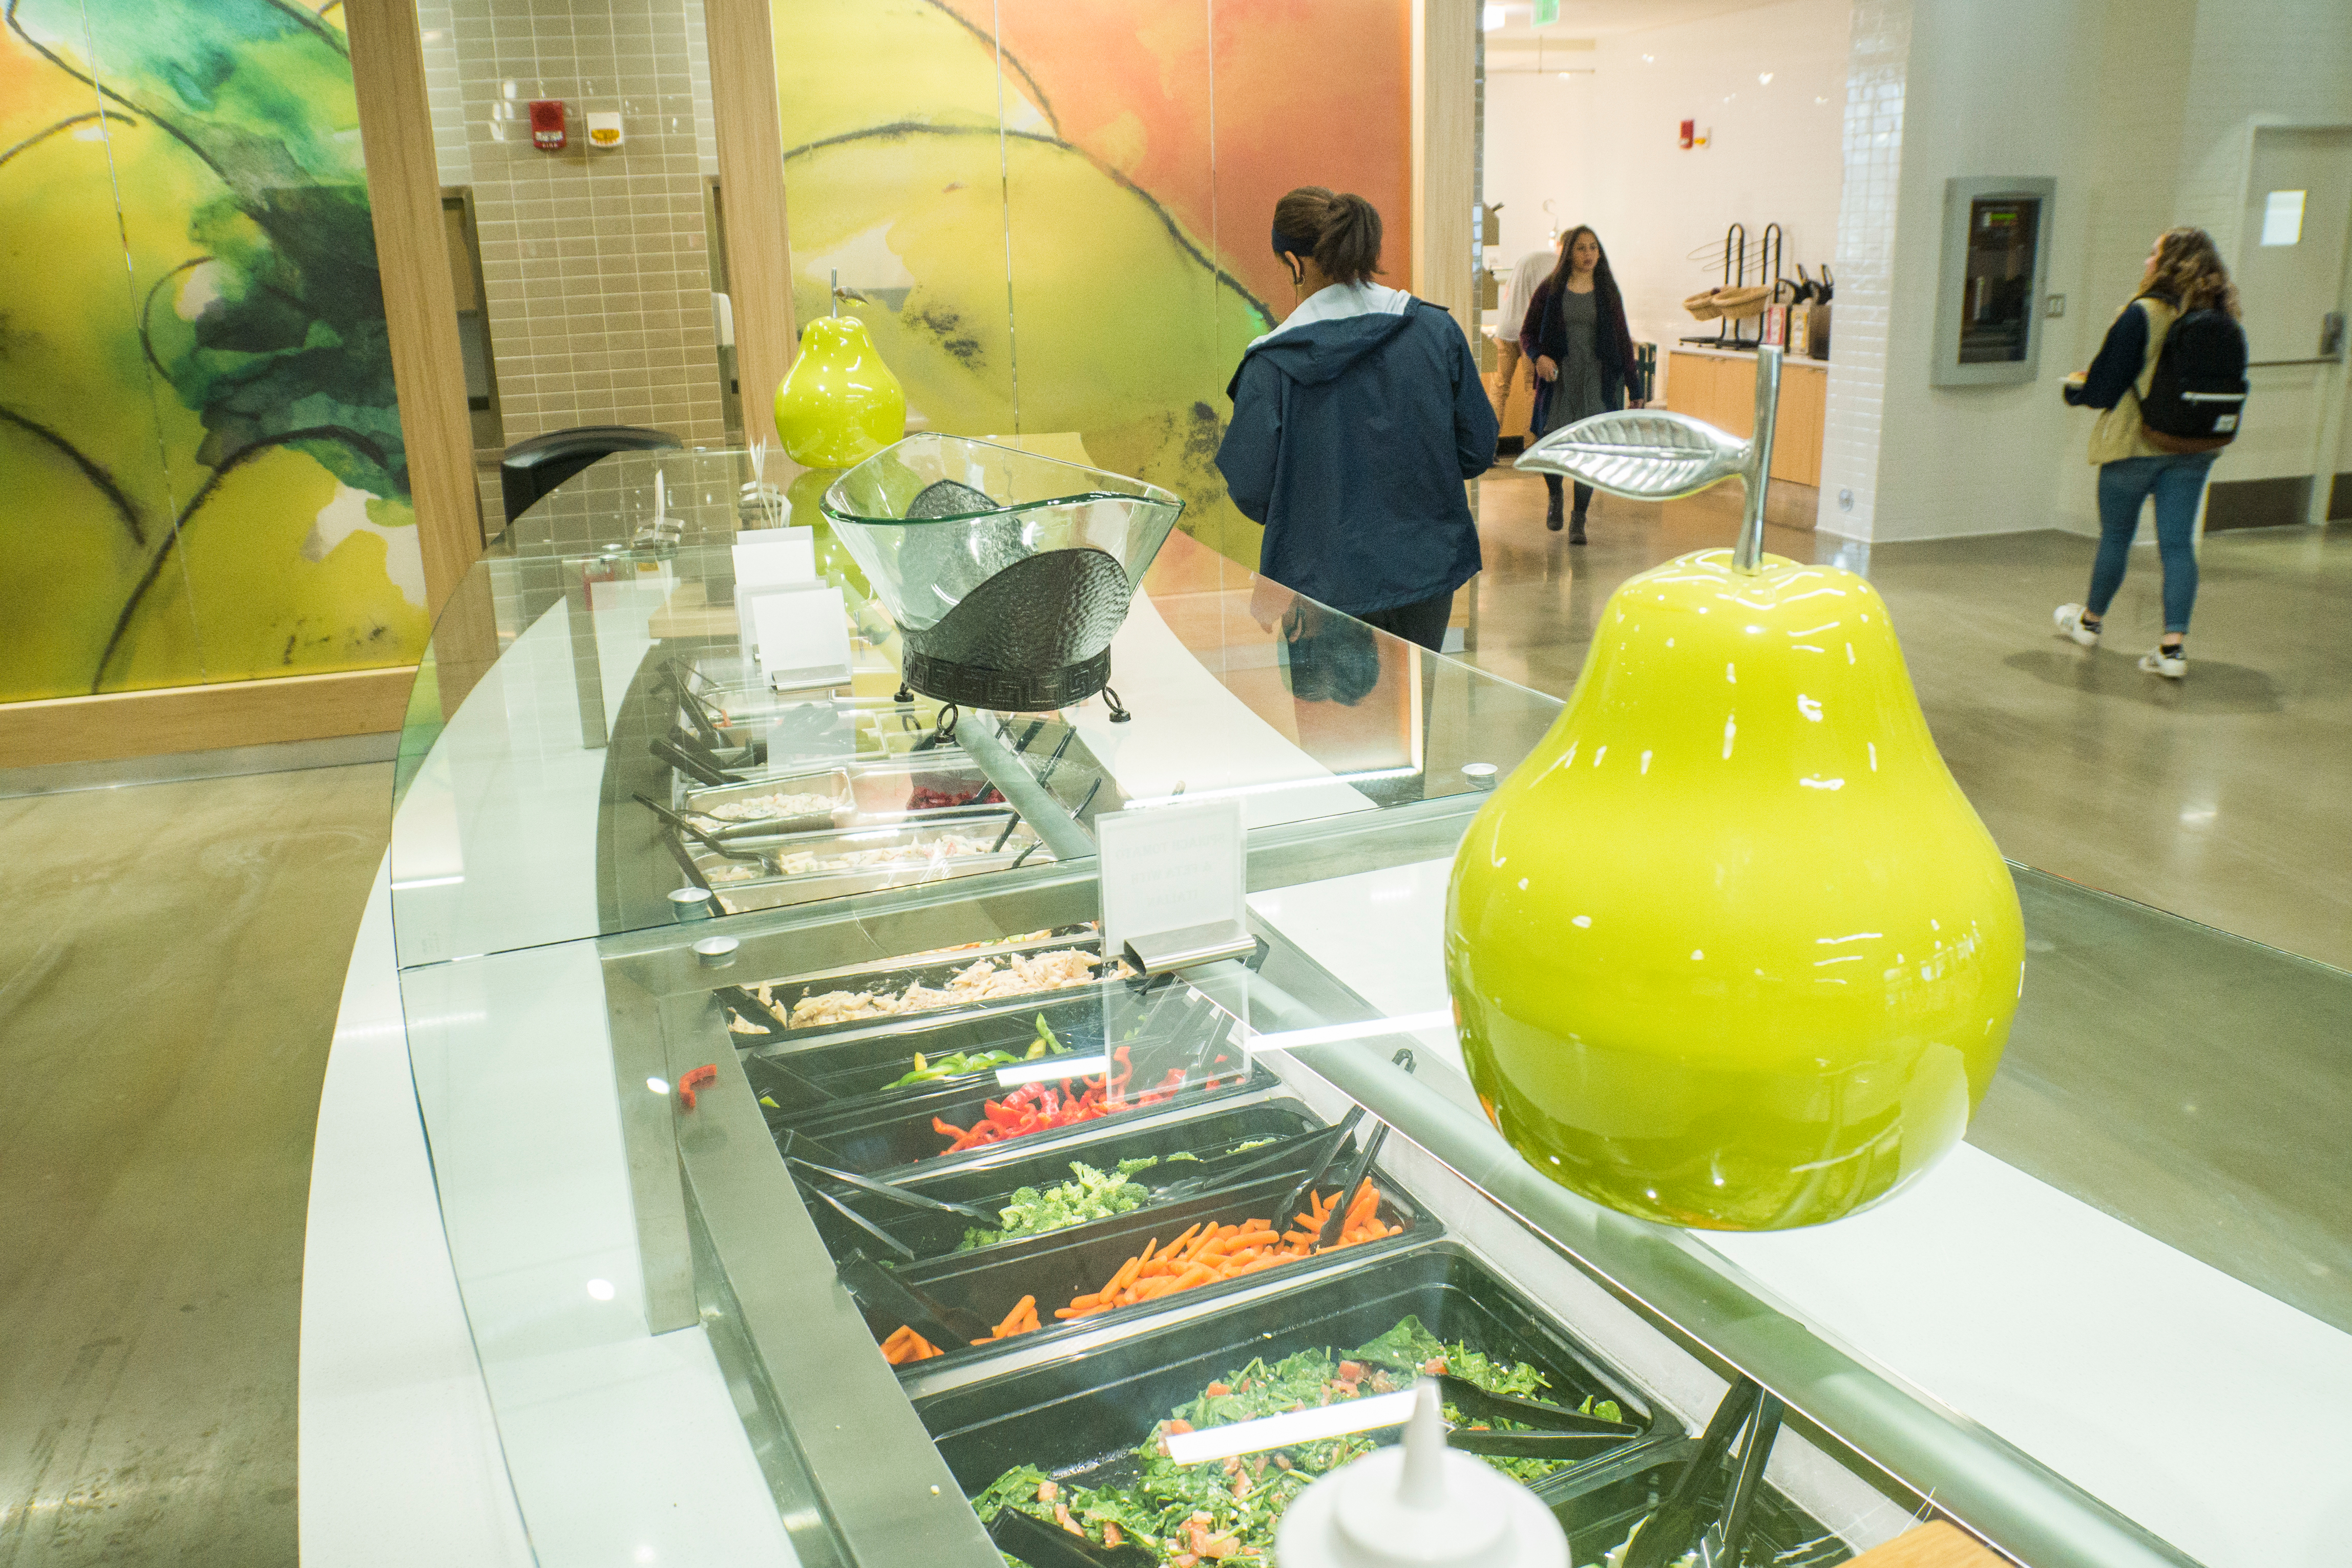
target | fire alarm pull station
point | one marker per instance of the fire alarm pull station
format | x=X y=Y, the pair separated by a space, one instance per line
x=547 y=124
x=1690 y=127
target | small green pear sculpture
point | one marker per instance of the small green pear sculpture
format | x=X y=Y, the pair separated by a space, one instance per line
x=839 y=404
x=1730 y=949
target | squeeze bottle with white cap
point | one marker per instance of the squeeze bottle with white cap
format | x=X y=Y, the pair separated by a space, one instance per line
x=1419 y=1505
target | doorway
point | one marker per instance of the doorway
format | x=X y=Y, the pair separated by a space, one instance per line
x=2289 y=462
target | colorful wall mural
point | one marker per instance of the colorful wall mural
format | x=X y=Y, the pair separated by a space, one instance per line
x=1055 y=212
x=202 y=477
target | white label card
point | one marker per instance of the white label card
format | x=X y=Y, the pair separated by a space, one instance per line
x=1168 y=867
x=770 y=557
x=802 y=631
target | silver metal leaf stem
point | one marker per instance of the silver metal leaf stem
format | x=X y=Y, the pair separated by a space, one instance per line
x=1748 y=554
x=1656 y=455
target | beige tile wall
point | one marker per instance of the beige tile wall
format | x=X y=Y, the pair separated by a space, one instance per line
x=594 y=264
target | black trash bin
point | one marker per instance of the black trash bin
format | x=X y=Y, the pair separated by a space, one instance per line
x=531 y=468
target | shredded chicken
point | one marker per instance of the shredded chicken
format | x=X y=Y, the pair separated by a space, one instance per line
x=755 y=808
x=808 y=863
x=1011 y=975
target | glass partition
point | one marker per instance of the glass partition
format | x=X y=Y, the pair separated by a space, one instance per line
x=595 y=737
x=617 y=854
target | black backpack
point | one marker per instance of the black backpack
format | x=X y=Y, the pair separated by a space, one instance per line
x=2198 y=395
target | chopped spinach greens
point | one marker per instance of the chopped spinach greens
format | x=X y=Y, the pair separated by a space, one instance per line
x=1227 y=1510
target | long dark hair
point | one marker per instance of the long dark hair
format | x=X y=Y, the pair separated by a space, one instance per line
x=1342 y=231
x=1605 y=282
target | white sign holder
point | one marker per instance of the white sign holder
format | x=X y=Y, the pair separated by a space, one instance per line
x=1174 y=885
x=801 y=632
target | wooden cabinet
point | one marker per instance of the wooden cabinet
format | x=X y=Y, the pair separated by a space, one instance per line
x=1721 y=390
x=1512 y=414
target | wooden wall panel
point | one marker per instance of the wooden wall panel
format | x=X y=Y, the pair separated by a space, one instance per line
x=420 y=299
x=120 y=725
x=751 y=188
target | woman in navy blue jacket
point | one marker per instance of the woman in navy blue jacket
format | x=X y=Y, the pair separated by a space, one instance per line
x=1355 y=423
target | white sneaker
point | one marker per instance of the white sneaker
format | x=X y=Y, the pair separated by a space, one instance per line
x=2070 y=625
x=2172 y=667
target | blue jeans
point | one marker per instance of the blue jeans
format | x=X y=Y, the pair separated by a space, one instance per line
x=2175 y=479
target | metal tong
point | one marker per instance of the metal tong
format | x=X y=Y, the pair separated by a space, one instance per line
x=762 y=826
x=708 y=842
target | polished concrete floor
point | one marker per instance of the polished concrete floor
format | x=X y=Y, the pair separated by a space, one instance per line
x=171 y=959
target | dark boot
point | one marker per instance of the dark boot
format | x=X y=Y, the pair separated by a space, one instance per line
x=1575 y=528
x=1551 y=513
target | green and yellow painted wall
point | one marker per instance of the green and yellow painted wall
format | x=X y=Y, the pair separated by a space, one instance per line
x=202 y=477
x=1057 y=211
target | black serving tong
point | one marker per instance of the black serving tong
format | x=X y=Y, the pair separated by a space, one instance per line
x=702 y=772
x=1669 y=1531
x=898 y=1195
x=1336 y=1221
x=905 y=1254
x=770 y=1075
x=1218 y=1174
x=1041 y=1545
x=696 y=712
x=949 y=1328
x=1314 y=1176
x=752 y=752
x=752 y=1010
x=764 y=827
x=1559 y=1432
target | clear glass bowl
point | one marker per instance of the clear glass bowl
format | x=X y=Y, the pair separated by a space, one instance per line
x=1007 y=573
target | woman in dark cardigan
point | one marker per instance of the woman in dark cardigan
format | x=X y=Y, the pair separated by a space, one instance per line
x=1575 y=336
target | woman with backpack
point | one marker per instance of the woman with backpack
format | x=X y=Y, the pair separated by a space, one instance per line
x=2170 y=397
x=1575 y=335
x=1355 y=423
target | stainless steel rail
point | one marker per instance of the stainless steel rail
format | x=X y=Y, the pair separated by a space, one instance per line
x=1039 y=806
x=2002 y=1494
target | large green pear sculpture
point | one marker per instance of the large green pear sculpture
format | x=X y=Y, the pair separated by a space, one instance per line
x=1730 y=949
x=839 y=404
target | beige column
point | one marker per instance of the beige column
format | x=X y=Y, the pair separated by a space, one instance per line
x=1445 y=122
x=752 y=187
x=420 y=300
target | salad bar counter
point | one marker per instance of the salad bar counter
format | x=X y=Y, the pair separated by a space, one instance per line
x=828 y=1070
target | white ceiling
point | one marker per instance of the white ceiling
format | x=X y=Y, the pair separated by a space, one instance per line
x=1607 y=19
